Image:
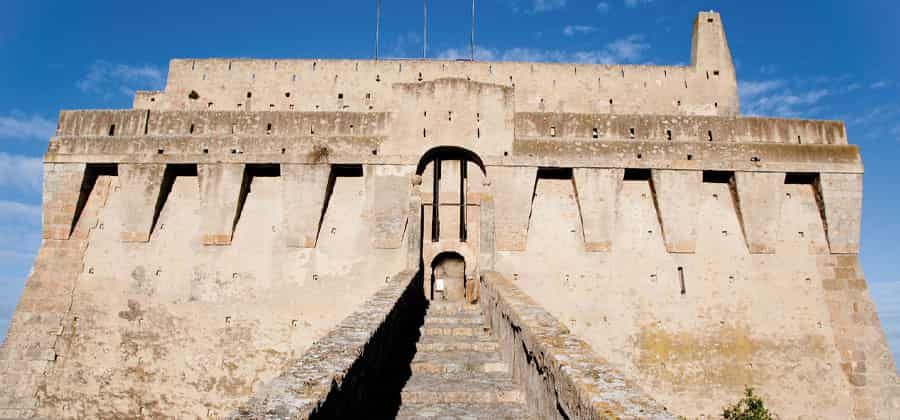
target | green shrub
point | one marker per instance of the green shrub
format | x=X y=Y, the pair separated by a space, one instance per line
x=750 y=407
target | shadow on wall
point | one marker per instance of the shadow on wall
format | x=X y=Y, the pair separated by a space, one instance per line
x=372 y=387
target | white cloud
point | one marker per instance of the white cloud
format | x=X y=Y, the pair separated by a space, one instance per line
x=749 y=89
x=879 y=115
x=21 y=172
x=603 y=7
x=629 y=49
x=110 y=79
x=881 y=84
x=548 y=5
x=572 y=30
x=20 y=227
x=776 y=98
x=17 y=125
x=768 y=69
x=405 y=45
x=636 y=3
x=16 y=212
x=887 y=301
x=481 y=54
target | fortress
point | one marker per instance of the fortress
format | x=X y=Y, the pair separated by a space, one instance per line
x=350 y=238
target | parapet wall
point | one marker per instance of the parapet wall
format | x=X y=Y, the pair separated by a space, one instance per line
x=705 y=87
x=354 y=371
x=562 y=376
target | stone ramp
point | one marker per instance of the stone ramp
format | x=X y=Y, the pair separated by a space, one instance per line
x=458 y=372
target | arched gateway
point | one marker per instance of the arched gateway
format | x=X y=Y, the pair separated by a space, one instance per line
x=452 y=191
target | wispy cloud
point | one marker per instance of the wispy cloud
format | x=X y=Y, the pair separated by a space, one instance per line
x=625 y=50
x=776 y=98
x=405 y=45
x=481 y=54
x=535 y=6
x=768 y=69
x=548 y=5
x=628 y=49
x=887 y=299
x=636 y=3
x=14 y=211
x=111 y=79
x=572 y=30
x=17 y=125
x=20 y=228
x=876 y=123
x=881 y=84
x=21 y=172
x=750 y=88
x=603 y=7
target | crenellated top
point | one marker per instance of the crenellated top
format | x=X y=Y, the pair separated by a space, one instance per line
x=705 y=87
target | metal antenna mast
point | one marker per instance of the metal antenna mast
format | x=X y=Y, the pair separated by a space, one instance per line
x=472 y=38
x=377 y=25
x=424 y=28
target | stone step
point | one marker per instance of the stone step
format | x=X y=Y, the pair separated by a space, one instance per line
x=478 y=388
x=465 y=361
x=467 y=319
x=463 y=411
x=438 y=343
x=452 y=308
x=454 y=330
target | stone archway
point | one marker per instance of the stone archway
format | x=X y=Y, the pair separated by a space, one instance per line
x=452 y=188
x=446 y=176
x=448 y=277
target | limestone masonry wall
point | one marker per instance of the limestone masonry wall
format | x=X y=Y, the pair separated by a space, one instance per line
x=705 y=87
x=196 y=246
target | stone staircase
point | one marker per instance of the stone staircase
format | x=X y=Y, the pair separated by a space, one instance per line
x=457 y=371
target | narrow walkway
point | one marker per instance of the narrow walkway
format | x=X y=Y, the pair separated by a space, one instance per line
x=458 y=372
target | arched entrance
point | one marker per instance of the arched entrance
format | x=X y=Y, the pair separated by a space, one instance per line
x=448 y=277
x=452 y=188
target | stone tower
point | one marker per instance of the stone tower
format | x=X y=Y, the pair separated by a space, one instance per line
x=312 y=237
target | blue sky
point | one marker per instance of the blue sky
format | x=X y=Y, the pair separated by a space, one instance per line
x=802 y=59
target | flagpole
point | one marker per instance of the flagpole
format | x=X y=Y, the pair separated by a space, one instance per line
x=472 y=38
x=424 y=29
x=377 y=25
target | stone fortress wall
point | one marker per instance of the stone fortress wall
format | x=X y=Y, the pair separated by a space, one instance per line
x=197 y=244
